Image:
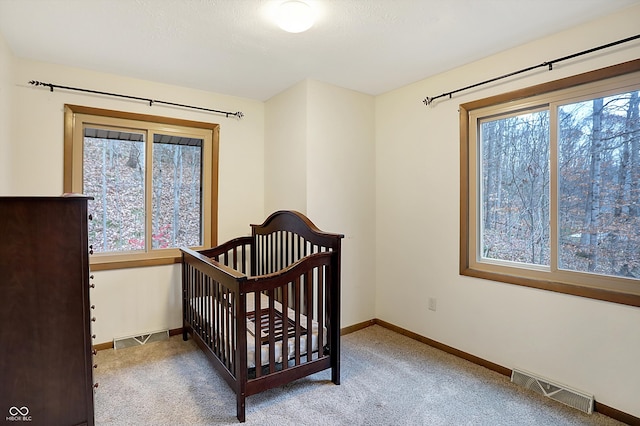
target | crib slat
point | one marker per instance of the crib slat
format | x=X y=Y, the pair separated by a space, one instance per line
x=309 y=313
x=296 y=310
x=207 y=302
x=198 y=294
x=244 y=260
x=282 y=262
x=217 y=318
x=215 y=297
x=221 y=324
x=319 y=315
x=232 y=331
x=269 y=261
x=274 y=253
x=285 y=317
x=271 y=331
x=265 y=256
x=257 y=306
x=285 y=248
x=228 y=318
x=224 y=327
x=235 y=258
x=189 y=295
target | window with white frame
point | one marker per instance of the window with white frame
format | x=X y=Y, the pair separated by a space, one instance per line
x=153 y=181
x=551 y=186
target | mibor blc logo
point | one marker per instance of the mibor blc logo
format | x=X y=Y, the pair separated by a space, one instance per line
x=18 y=414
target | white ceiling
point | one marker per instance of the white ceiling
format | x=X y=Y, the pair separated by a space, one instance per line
x=231 y=46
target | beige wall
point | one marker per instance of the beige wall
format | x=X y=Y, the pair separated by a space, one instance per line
x=590 y=345
x=133 y=301
x=319 y=159
x=341 y=187
x=6 y=60
x=285 y=150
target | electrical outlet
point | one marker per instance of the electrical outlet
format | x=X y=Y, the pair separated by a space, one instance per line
x=432 y=303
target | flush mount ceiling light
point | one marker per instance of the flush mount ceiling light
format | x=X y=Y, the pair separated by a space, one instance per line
x=295 y=16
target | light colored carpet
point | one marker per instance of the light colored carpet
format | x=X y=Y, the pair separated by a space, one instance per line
x=387 y=379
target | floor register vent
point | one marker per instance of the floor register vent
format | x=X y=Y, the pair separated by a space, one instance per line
x=127 y=342
x=555 y=391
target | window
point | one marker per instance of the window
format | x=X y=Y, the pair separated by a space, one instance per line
x=153 y=180
x=550 y=186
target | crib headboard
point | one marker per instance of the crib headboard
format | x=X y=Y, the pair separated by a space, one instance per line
x=289 y=236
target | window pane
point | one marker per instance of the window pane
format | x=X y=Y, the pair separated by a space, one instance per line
x=514 y=188
x=113 y=173
x=599 y=186
x=177 y=192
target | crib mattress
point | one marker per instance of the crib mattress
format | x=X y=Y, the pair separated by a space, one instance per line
x=281 y=331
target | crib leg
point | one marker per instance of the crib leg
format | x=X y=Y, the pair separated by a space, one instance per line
x=335 y=361
x=185 y=335
x=240 y=407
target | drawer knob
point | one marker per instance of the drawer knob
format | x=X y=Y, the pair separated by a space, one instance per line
x=93 y=319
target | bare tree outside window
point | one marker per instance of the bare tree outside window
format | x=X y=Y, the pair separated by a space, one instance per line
x=598 y=187
x=515 y=188
x=599 y=173
x=117 y=186
x=177 y=170
x=114 y=175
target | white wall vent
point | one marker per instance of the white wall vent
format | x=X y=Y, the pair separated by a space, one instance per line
x=127 y=342
x=555 y=391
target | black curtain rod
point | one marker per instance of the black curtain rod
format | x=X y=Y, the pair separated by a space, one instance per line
x=150 y=101
x=427 y=101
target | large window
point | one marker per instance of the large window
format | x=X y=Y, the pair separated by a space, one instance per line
x=153 y=181
x=551 y=186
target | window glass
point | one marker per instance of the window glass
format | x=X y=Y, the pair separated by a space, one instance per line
x=599 y=186
x=177 y=191
x=515 y=188
x=113 y=174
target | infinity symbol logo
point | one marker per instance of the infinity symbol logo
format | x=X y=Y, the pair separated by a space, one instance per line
x=14 y=411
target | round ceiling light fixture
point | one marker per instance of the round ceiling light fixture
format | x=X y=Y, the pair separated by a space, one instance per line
x=295 y=16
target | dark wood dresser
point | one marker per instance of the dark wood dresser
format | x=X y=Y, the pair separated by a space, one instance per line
x=46 y=369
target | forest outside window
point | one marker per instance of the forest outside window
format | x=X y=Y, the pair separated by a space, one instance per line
x=551 y=186
x=153 y=181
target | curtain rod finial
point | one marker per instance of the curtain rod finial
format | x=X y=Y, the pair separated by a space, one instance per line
x=40 y=83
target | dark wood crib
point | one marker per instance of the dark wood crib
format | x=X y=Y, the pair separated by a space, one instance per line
x=265 y=308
